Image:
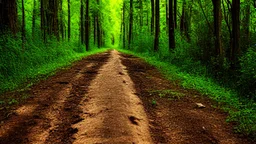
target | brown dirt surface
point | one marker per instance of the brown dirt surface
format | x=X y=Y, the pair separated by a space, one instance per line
x=113 y=98
x=174 y=116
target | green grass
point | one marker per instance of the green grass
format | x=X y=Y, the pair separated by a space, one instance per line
x=241 y=110
x=21 y=68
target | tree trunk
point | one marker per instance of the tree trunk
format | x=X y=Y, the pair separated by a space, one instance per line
x=156 y=45
x=235 y=51
x=141 y=13
x=171 y=29
x=43 y=20
x=152 y=16
x=217 y=12
x=23 y=32
x=82 y=22
x=34 y=19
x=69 y=21
x=131 y=23
x=124 y=34
x=98 y=26
x=175 y=14
x=245 y=42
x=8 y=16
x=87 y=26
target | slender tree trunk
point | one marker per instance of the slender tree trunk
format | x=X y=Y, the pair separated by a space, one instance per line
x=95 y=28
x=124 y=27
x=82 y=22
x=141 y=13
x=131 y=23
x=69 y=21
x=171 y=29
x=23 y=25
x=152 y=16
x=175 y=14
x=219 y=52
x=87 y=26
x=245 y=39
x=34 y=19
x=62 y=25
x=157 y=31
x=167 y=16
x=98 y=26
x=43 y=20
x=235 y=33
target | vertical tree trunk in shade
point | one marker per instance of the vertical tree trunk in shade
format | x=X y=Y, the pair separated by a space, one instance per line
x=69 y=21
x=141 y=12
x=54 y=18
x=87 y=26
x=82 y=22
x=23 y=32
x=219 y=52
x=98 y=26
x=43 y=21
x=182 y=18
x=152 y=16
x=235 y=50
x=131 y=23
x=245 y=39
x=8 y=16
x=124 y=34
x=171 y=27
x=167 y=16
x=34 y=19
x=157 y=31
x=94 y=29
x=175 y=14
x=62 y=25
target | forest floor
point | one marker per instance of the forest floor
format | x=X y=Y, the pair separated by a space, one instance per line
x=113 y=98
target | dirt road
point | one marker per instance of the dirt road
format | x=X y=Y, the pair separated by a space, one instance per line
x=113 y=98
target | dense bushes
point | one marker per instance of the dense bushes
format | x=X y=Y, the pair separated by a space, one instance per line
x=248 y=76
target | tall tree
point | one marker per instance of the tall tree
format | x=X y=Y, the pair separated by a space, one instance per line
x=175 y=14
x=235 y=50
x=152 y=16
x=23 y=24
x=245 y=39
x=99 y=36
x=131 y=24
x=219 y=52
x=171 y=27
x=82 y=21
x=157 y=31
x=124 y=26
x=87 y=26
x=43 y=19
x=8 y=16
x=34 y=18
x=69 y=21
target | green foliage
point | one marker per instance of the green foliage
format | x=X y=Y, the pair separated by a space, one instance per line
x=248 y=76
x=154 y=102
x=21 y=65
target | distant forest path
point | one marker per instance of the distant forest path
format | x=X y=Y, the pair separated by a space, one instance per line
x=114 y=98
